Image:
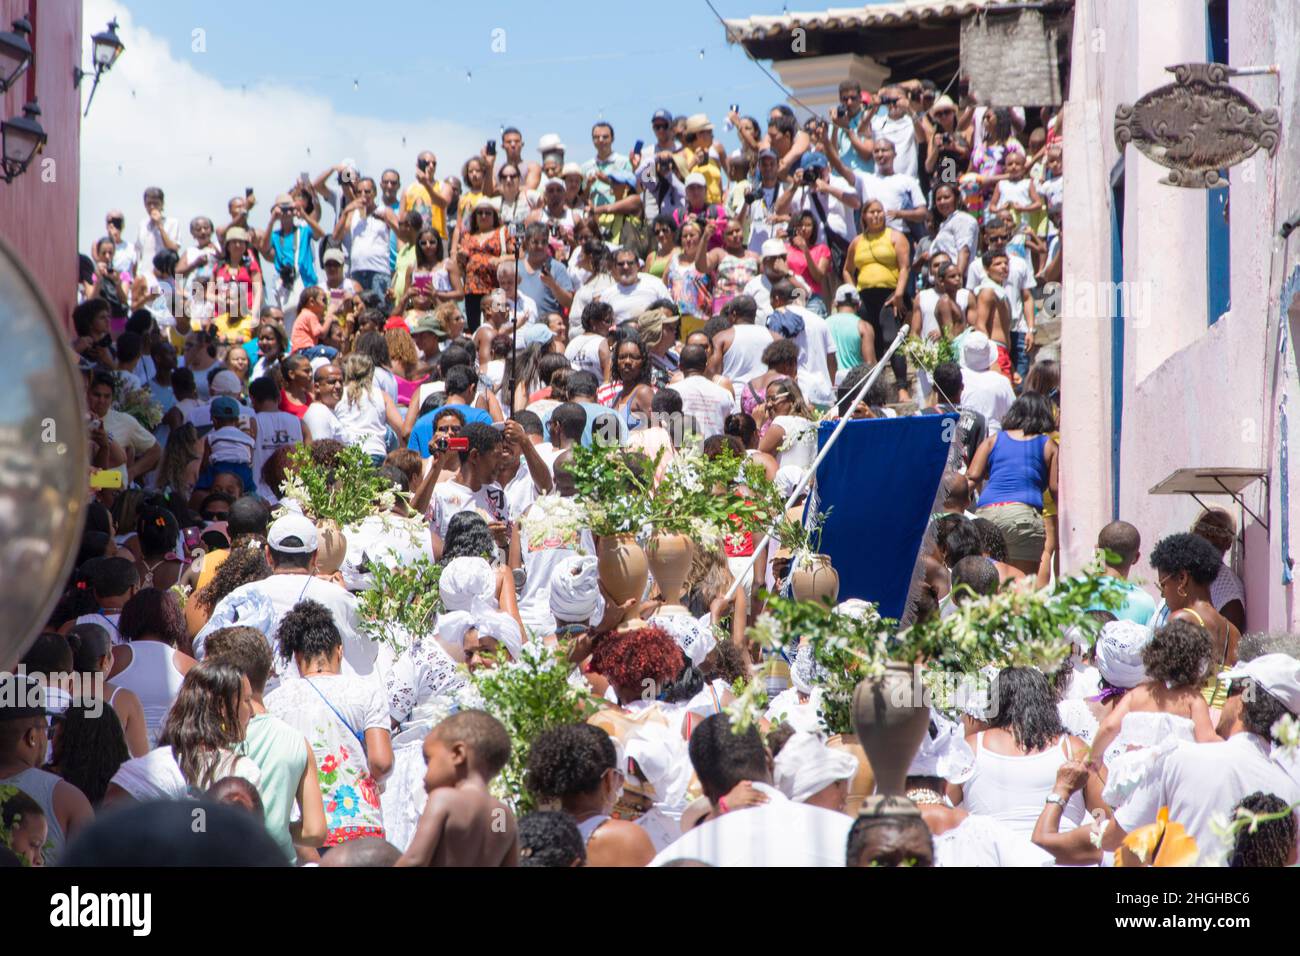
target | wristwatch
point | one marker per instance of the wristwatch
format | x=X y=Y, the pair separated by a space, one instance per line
x=1057 y=799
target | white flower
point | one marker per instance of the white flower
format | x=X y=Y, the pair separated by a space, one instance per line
x=1287 y=734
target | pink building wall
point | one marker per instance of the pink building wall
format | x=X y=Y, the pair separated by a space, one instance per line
x=1194 y=394
x=38 y=210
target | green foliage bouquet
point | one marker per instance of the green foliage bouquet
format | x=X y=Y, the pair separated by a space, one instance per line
x=529 y=696
x=401 y=602
x=346 y=492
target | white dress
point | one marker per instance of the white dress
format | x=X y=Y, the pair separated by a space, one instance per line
x=1145 y=739
x=984 y=841
x=799 y=447
x=421 y=689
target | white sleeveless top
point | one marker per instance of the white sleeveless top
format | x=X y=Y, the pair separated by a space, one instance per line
x=152 y=674
x=744 y=359
x=928 y=299
x=365 y=422
x=1012 y=789
x=274 y=430
x=583 y=353
x=1145 y=739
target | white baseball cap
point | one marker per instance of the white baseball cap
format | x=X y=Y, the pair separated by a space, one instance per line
x=977 y=353
x=550 y=143
x=1277 y=674
x=846 y=293
x=226 y=382
x=295 y=526
x=772 y=248
x=696 y=179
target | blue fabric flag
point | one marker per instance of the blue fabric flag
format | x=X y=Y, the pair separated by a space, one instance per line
x=878 y=484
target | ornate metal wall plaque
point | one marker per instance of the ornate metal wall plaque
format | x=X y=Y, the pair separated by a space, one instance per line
x=1197 y=125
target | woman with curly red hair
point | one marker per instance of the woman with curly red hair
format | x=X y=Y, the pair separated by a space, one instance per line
x=641 y=665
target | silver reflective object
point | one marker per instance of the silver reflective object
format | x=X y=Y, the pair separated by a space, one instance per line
x=44 y=454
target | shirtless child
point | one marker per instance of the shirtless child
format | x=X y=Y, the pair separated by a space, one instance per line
x=462 y=823
x=991 y=310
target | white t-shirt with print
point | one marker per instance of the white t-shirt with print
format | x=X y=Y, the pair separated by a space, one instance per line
x=451 y=497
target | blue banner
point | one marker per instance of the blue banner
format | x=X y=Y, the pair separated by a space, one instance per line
x=878 y=484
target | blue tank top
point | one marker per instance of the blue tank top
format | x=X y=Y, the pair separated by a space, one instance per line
x=1017 y=472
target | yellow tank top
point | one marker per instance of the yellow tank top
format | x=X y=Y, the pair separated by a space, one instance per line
x=876 y=261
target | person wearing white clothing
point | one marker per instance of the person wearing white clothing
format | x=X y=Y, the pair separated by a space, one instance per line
x=365 y=227
x=365 y=410
x=707 y=403
x=1200 y=781
x=901 y=127
x=630 y=294
x=291 y=551
x=812 y=334
x=775 y=268
x=779 y=832
x=900 y=195
x=984 y=389
x=319 y=419
x=959 y=232
x=833 y=200
x=156 y=232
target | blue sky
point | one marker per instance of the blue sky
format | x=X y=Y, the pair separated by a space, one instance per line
x=209 y=99
x=556 y=74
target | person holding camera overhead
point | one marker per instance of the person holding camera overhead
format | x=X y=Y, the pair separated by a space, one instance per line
x=364 y=226
x=287 y=243
x=851 y=137
x=900 y=125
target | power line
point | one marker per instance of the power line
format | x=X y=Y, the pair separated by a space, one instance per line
x=736 y=41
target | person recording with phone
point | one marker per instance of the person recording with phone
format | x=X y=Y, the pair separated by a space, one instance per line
x=286 y=242
x=364 y=226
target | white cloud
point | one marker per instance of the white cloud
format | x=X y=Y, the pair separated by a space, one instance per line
x=158 y=120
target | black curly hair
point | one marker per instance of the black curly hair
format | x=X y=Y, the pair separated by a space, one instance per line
x=89 y=747
x=1260 y=710
x=550 y=838
x=1178 y=654
x=308 y=630
x=1186 y=552
x=242 y=566
x=568 y=761
x=1271 y=842
x=1027 y=708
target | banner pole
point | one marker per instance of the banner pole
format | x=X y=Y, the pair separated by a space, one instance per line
x=812 y=469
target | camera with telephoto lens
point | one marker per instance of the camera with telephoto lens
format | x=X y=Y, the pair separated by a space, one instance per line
x=842 y=111
x=809 y=175
x=288 y=275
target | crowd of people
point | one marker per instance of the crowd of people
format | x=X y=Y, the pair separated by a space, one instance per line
x=466 y=332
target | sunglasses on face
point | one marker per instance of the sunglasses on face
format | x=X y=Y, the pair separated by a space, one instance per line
x=214 y=515
x=658 y=125
x=889 y=100
x=504 y=177
x=117 y=223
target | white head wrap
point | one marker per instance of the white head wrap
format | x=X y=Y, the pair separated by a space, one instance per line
x=806 y=766
x=468 y=584
x=695 y=639
x=503 y=628
x=661 y=755
x=575 y=590
x=853 y=607
x=1119 y=653
x=945 y=755
x=453 y=625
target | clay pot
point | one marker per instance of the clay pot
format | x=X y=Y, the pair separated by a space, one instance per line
x=864 y=781
x=669 y=557
x=891 y=720
x=816 y=581
x=331 y=548
x=621 y=565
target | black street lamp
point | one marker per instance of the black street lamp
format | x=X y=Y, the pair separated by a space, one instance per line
x=106 y=47
x=22 y=138
x=15 y=53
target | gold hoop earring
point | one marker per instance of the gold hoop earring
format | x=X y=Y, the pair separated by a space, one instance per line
x=1182 y=591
